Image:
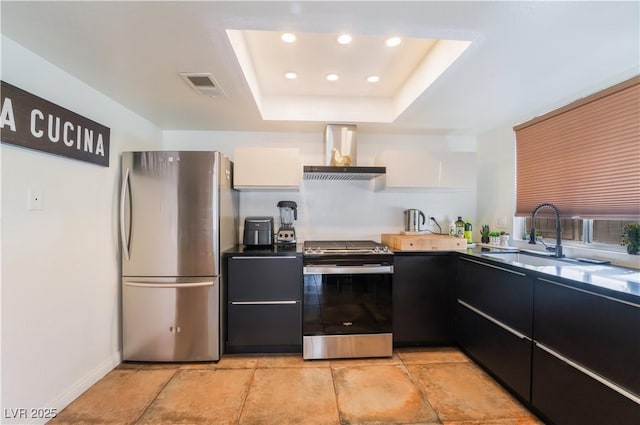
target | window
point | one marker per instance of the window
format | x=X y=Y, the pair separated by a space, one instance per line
x=546 y=227
x=585 y=159
x=578 y=229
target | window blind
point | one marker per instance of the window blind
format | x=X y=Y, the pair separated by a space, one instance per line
x=584 y=157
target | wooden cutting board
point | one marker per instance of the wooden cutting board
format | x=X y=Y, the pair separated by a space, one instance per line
x=428 y=242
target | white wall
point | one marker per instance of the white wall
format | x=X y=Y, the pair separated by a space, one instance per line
x=495 y=164
x=60 y=266
x=340 y=209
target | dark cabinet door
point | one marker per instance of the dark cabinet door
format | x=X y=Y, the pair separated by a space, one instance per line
x=567 y=396
x=422 y=299
x=600 y=333
x=502 y=293
x=268 y=278
x=504 y=351
x=265 y=327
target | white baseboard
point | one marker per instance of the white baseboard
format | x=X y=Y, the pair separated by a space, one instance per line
x=82 y=385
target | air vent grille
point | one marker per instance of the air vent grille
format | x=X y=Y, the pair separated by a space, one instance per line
x=203 y=83
x=312 y=172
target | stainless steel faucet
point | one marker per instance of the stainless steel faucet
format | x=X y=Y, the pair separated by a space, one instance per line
x=532 y=234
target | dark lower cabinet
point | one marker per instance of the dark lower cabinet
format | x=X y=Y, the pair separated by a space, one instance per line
x=567 y=396
x=498 y=348
x=586 y=361
x=494 y=309
x=594 y=330
x=258 y=327
x=264 y=304
x=422 y=299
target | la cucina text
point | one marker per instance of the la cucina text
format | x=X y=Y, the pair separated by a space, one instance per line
x=54 y=129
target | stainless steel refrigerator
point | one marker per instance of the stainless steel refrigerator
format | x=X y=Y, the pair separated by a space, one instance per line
x=178 y=212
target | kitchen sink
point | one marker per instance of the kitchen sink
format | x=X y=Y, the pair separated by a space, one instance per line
x=530 y=259
x=573 y=268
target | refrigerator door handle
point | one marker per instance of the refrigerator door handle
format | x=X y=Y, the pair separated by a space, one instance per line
x=123 y=230
x=168 y=285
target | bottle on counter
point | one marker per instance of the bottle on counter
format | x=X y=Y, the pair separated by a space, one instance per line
x=452 y=228
x=459 y=227
x=468 y=232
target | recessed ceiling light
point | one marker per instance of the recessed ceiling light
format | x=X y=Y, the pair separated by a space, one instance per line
x=332 y=77
x=290 y=75
x=393 y=41
x=344 y=39
x=287 y=37
x=373 y=78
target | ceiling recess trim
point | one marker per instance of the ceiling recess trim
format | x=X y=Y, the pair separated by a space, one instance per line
x=203 y=83
x=340 y=108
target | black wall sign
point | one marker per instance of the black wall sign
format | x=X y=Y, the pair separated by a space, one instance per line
x=33 y=122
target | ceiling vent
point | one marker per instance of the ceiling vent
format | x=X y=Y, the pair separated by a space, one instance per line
x=203 y=83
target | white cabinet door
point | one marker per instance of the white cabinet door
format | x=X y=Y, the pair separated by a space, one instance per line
x=267 y=168
x=428 y=170
x=410 y=169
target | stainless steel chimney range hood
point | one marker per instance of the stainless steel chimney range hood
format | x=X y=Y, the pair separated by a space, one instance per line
x=340 y=157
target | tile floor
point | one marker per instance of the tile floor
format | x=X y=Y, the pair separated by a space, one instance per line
x=415 y=386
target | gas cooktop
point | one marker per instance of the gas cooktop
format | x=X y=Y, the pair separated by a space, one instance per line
x=344 y=247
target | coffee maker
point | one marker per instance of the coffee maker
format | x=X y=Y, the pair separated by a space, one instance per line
x=288 y=213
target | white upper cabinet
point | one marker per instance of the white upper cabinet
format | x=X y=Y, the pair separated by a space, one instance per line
x=267 y=169
x=428 y=170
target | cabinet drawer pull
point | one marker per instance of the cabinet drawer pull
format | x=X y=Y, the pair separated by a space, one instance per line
x=628 y=394
x=262 y=302
x=494 y=321
x=589 y=292
x=256 y=257
x=492 y=266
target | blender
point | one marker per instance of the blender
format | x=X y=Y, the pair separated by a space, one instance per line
x=288 y=213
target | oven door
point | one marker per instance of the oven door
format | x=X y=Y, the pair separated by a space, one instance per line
x=347 y=311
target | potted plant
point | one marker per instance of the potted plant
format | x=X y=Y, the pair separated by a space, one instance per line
x=484 y=232
x=504 y=238
x=631 y=237
x=494 y=238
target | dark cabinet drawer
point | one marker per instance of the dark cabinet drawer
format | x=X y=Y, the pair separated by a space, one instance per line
x=502 y=293
x=600 y=333
x=506 y=353
x=567 y=396
x=269 y=278
x=265 y=327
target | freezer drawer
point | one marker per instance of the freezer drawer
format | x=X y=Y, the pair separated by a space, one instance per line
x=171 y=319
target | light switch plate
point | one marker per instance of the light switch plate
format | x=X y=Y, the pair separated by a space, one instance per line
x=502 y=221
x=35 y=201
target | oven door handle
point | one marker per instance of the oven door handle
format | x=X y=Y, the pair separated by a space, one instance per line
x=335 y=269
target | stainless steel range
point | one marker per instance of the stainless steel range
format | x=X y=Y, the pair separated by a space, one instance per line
x=347 y=306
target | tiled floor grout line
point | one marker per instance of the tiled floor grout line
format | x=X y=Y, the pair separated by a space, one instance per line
x=155 y=397
x=335 y=392
x=421 y=389
x=246 y=396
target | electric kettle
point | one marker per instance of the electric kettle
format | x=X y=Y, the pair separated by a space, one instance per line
x=412 y=220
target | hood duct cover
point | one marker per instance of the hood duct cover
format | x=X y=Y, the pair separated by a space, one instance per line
x=340 y=157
